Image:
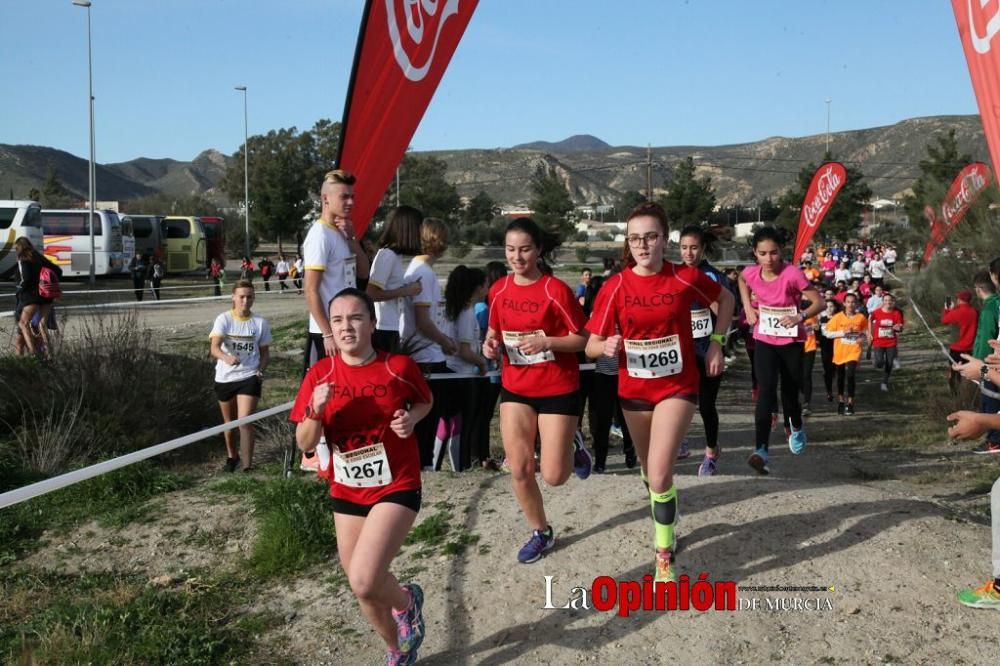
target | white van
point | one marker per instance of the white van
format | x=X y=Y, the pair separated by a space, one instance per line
x=18 y=218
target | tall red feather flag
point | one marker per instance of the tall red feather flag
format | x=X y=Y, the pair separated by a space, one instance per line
x=404 y=47
x=826 y=183
x=965 y=189
x=978 y=27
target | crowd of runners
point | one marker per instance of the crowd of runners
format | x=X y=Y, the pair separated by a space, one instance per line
x=377 y=406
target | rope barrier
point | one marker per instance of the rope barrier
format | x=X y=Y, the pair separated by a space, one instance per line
x=76 y=476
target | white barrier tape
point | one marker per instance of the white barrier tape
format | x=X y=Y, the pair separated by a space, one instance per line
x=944 y=350
x=148 y=303
x=118 y=291
x=76 y=476
x=28 y=492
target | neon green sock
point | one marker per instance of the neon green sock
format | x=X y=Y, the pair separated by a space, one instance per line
x=664 y=510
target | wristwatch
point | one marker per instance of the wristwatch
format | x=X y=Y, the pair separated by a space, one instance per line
x=721 y=338
x=984 y=370
x=312 y=414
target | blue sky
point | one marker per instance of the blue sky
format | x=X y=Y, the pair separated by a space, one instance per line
x=666 y=72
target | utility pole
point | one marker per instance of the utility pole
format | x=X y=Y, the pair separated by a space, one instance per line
x=649 y=172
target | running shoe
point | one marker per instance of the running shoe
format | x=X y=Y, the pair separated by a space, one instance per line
x=583 y=463
x=504 y=467
x=840 y=408
x=758 y=460
x=232 y=464
x=986 y=596
x=616 y=431
x=684 y=451
x=895 y=364
x=986 y=448
x=631 y=459
x=884 y=387
x=797 y=441
x=849 y=409
x=708 y=466
x=805 y=410
x=599 y=469
x=665 y=569
x=410 y=622
x=539 y=544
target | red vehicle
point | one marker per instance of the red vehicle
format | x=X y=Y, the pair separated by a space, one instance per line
x=215 y=236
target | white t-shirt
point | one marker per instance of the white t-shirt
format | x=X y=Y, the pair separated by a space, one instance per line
x=325 y=249
x=463 y=329
x=430 y=297
x=282 y=267
x=890 y=256
x=387 y=273
x=877 y=268
x=298 y=266
x=242 y=338
x=857 y=269
x=842 y=274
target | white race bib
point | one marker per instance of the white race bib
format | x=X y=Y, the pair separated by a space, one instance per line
x=351 y=271
x=886 y=332
x=362 y=468
x=242 y=348
x=852 y=338
x=512 y=341
x=701 y=323
x=769 y=322
x=649 y=359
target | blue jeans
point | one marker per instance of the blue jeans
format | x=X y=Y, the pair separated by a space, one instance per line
x=988 y=405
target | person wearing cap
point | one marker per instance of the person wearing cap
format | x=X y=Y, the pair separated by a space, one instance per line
x=964 y=316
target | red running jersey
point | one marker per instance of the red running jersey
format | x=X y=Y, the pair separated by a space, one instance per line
x=653 y=314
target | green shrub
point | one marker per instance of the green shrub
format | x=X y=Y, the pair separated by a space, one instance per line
x=294 y=526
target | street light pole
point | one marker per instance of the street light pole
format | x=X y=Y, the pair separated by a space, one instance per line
x=828 y=100
x=92 y=194
x=246 y=174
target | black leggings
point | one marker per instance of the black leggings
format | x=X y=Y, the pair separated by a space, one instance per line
x=848 y=371
x=808 y=361
x=604 y=404
x=708 y=392
x=774 y=362
x=829 y=369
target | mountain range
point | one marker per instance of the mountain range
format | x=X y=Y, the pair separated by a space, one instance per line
x=592 y=170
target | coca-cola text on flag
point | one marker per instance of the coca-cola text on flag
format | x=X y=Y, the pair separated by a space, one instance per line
x=826 y=183
x=968 y=185
x=404 y=48
x=979 y=27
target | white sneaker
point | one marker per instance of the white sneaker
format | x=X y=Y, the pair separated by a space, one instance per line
x=895 y=364
x=884 y=387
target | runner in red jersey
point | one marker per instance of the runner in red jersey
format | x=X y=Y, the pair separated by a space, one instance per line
x=643 y=315
x=538 y=323
x=366 y=404
x=884 y=326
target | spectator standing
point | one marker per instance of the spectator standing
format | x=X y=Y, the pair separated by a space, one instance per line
x=138 y=269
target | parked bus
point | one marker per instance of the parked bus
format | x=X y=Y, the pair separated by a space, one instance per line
x=150 y=238
x=185 y=244
x=17 y=219
x=215 y=236
x=67 y=242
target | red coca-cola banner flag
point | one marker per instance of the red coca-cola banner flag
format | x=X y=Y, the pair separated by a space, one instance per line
x=826 y=182
x=968 y=185
x=978 y=26
x=403 y=50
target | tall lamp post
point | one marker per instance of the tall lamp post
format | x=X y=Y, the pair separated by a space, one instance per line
x=92 y=194
x=246 y=174
x=828 y=100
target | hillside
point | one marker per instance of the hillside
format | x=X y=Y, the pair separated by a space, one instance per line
x=591 y=170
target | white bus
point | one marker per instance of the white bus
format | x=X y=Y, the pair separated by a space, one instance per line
x=67 y=242
x=17 y=219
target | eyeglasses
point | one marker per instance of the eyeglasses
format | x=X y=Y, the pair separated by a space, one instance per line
x=636 y=240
